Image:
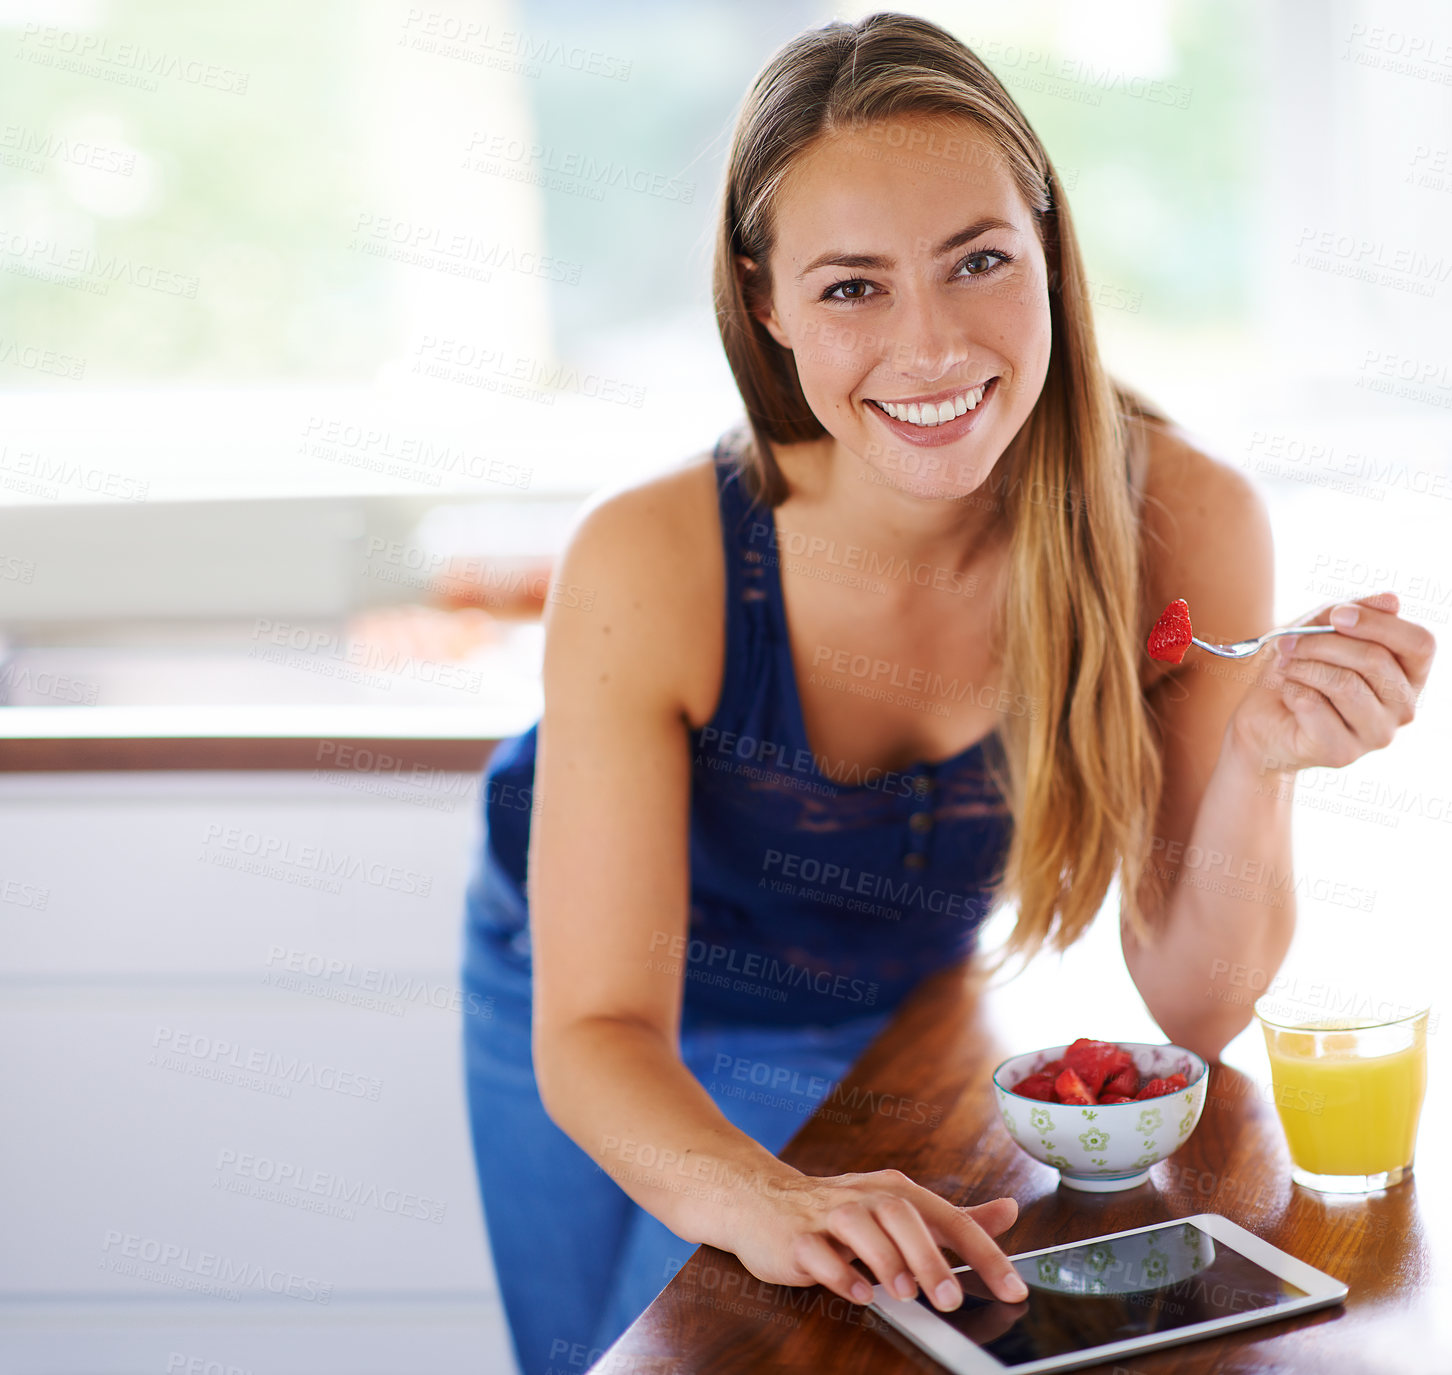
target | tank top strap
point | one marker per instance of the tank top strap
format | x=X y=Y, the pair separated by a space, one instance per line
x=748 y=544
x=747 y=527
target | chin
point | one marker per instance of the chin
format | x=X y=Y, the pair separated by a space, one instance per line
x=931 y=473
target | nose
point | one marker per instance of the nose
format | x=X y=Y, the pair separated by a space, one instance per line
x=929 y=342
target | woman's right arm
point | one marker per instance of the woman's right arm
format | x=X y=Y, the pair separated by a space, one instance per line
x=609 y=893
x=632 y=652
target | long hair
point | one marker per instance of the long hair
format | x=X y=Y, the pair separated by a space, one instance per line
x=1081 y=771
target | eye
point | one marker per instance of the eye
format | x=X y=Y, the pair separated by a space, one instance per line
x=855 y=290
x=989 y=258
x=830 y=294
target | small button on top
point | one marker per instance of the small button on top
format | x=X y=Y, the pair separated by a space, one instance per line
x=921 y=822
x=913 y=860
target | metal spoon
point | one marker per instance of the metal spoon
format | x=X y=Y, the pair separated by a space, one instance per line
x=1243 y=649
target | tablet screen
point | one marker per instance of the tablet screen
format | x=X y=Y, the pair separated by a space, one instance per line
x=1109 y=1291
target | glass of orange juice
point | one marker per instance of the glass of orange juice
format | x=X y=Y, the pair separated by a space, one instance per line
x=1349 y=1093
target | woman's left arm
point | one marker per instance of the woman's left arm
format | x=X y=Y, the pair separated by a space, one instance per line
x=1234 y=735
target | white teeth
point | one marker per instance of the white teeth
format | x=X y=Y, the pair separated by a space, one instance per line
x=928 y=415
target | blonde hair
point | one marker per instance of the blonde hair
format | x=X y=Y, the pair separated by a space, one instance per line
x=1081 y=772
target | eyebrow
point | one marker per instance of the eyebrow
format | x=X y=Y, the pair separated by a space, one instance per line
x=836 y=258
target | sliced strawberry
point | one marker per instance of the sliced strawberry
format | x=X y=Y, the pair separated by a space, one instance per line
x=1156 y=1088
x=1054 y=1067
x=1078 y=1049
x=1171 y=635
x=1115 y=1098
x=1095 y=1061
x=1084 y=1058
x=1040 y=1086
x=1072 y=1089
x=1123 y=1083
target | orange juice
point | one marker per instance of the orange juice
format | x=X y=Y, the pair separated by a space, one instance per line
x=1346 y=1112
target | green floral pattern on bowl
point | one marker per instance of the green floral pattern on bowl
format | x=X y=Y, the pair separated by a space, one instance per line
x=1094 y=1139
x=1106 y=1146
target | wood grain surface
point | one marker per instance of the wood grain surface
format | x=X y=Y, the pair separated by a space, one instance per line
x=714 y=1316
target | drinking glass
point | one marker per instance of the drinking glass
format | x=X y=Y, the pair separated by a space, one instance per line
x=1349 y=1093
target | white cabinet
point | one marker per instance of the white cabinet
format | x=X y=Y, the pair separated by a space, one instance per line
x=236 y=1130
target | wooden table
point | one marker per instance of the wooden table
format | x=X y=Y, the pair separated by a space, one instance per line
x=715 y=1316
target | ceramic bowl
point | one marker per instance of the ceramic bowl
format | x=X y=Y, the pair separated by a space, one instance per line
x=1109 y=1146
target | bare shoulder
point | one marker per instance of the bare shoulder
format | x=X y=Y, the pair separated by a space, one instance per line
x=640 y=588
x=1206 y=537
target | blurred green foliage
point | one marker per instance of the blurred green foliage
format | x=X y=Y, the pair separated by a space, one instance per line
x=248 y=193
x=252 y=194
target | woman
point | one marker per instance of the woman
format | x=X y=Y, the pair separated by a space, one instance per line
x=940 y=540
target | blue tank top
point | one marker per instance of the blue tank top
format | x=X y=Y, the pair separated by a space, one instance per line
x=818 y=893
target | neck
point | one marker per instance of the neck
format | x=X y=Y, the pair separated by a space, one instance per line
x=835 y=493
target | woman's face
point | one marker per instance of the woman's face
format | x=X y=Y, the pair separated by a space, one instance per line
x=910 y=285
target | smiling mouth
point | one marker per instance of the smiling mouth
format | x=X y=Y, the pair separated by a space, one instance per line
x=928 y=415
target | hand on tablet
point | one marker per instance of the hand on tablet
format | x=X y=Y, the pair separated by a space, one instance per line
x=809 y=1234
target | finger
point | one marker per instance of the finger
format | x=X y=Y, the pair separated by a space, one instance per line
x=840 y=1247
x=995 y=1217
x=841 y=1250
x=1380 y=601
x=817 y=1259
x=1373 y=663
x=1376 y=619
x=1331 y=740
x=953 y=1227
x=1364 y=714
x=1413 y=645
x=902 y=1221
x=855 y=1224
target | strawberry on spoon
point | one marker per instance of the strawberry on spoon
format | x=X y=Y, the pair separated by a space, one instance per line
x=1172 y=636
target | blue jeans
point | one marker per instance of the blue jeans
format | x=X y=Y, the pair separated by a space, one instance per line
x=577 y=1259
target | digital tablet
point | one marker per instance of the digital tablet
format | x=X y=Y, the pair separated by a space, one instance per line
x=1112 y=1296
